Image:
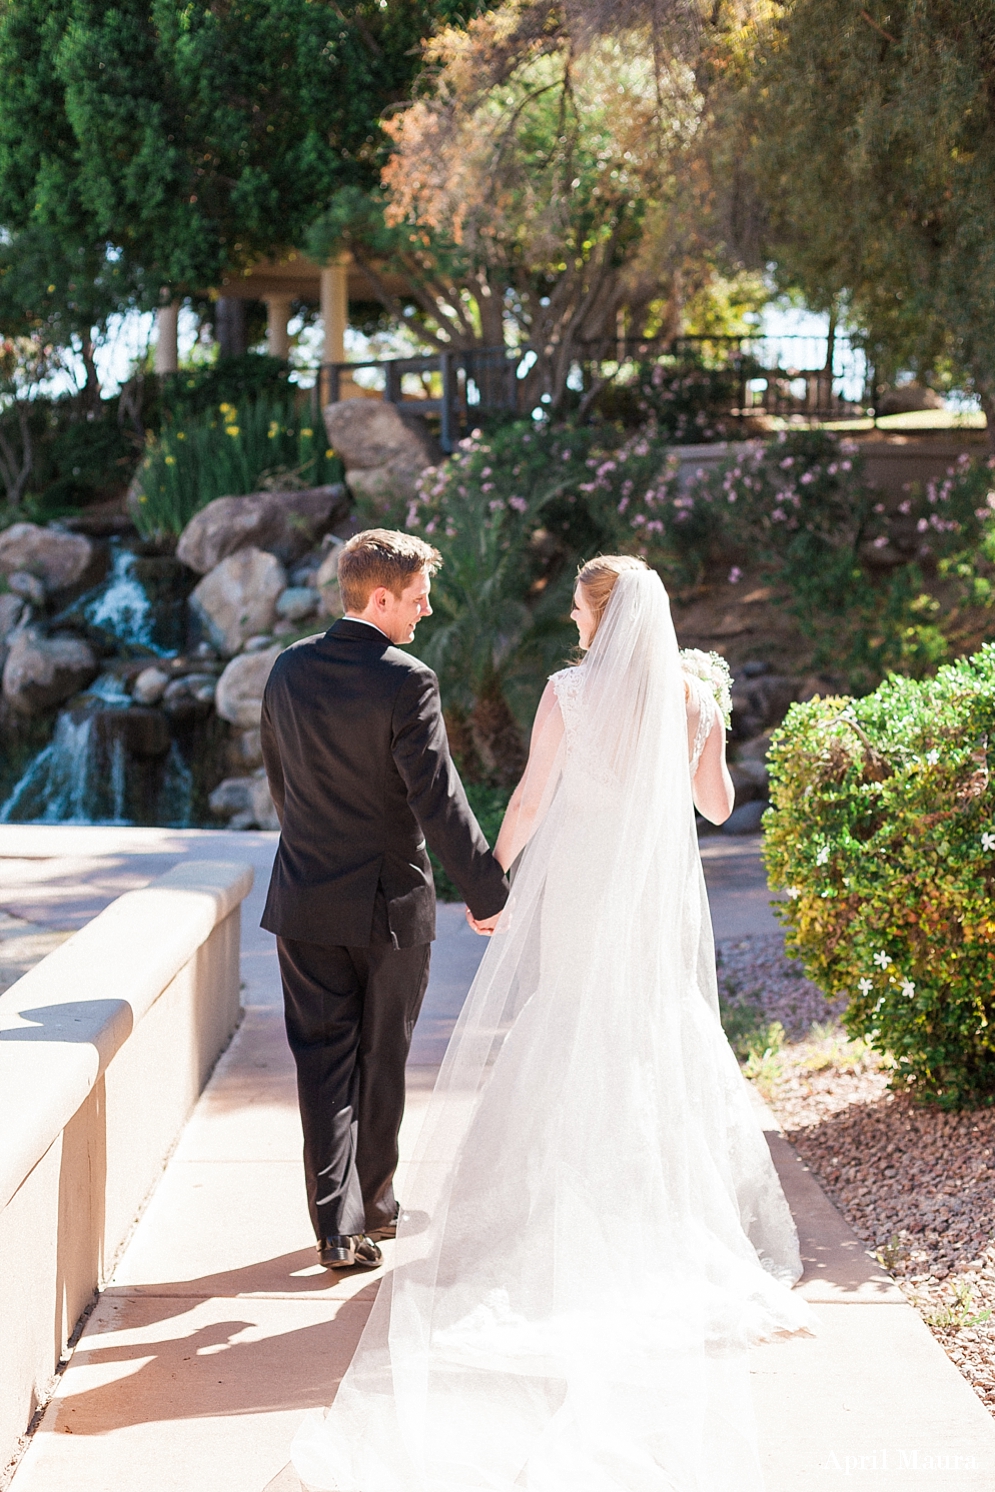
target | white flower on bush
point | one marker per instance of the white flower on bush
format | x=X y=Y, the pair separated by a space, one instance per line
x=932 y=757
x=988 y=842
x=822 y=858
x=793 y=893
x=908 y=988
x=865 y=985
x=881 y=959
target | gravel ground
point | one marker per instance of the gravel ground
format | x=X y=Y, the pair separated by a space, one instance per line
x=916 y=1185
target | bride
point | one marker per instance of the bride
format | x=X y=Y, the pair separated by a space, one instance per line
x=607 y=1234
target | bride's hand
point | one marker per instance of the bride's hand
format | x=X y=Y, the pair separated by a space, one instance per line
x=484 y=925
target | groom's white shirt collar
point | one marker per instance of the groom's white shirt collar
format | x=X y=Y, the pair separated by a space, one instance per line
x=364 y=623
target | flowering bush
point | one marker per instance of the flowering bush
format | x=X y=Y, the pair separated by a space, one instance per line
x=854 y=565
x=882 y=834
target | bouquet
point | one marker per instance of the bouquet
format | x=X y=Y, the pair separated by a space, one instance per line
x=713 y=670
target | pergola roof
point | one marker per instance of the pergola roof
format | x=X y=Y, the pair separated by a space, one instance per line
x=298 y=277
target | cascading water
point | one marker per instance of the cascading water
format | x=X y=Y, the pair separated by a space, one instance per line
x=108 y=761
x=121 y=608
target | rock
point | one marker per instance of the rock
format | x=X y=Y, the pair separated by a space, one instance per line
x=283 y=523
x=256 y=644
x=239 y=699
x=59 y=560
x=284 y=628
x=297 y=602
x=150 y=686
x=43 y=671
x=755 y=750
x=234 y=795
x=145 y=733
x=11 y=612
x=245 y=751
x=327 y=583
x=261 y=803
x=248 y=799
x=190 y=697
x=750 y=781
x=27 y=586
x=745 y=820
x=238 y=598
x=908 y=399
x=384 y=453
x=759 y=703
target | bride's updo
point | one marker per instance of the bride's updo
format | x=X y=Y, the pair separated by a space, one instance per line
x=598 y=578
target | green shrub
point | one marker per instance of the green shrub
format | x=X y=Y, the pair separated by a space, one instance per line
x=882 y=835
x=225 y=452
x=513 y=514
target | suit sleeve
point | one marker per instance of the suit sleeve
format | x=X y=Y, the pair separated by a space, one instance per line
x=420 y=748
x=271 y=756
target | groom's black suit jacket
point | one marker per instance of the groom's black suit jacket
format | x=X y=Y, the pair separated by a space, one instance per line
x=358 y=764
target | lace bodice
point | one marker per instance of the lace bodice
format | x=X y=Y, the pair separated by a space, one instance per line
x=707 y=710
x=568 y=683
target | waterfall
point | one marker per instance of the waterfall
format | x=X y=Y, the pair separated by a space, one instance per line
x=121 y=607
x=59 y=785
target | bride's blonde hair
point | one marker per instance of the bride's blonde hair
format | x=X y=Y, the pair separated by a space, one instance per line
x=598 y=577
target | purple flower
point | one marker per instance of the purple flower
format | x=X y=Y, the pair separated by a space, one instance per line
x=735 y=575
x=518 y=503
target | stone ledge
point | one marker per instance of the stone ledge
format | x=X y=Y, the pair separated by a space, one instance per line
x=91 y=993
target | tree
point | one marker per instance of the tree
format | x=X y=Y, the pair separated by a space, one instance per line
x=548 y=186
x=873 y=152
x=180 y=142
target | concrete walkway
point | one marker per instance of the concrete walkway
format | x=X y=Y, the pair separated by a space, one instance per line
x=218 y=1330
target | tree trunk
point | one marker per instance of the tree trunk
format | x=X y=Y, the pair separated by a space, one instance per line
x=229 y=326
x=497 y=739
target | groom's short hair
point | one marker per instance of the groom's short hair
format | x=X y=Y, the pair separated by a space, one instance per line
x=382 y=556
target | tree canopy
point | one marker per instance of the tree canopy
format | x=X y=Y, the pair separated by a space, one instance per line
x=152 y=145
x=873 y=152
x=548 y=183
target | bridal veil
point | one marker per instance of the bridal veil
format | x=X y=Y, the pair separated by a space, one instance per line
x=607 y=1234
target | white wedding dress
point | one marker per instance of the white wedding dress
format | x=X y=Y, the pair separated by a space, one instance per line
x=607 y=1233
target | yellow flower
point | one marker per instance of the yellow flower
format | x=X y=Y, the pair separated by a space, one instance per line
x=232 y=430
x=170 y=460
x=227 y=408
x=143 y=498
x=181 y=435
x=329 y=454
x=307 y=433
x=274 y=429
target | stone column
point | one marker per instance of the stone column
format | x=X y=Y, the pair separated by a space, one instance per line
x=335 y=310
x=277 y=317
x=167 y=355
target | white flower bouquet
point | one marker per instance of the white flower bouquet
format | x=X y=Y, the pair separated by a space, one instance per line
x=713 y=670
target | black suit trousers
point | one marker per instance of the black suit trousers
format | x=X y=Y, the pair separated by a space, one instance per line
x=350 y=1013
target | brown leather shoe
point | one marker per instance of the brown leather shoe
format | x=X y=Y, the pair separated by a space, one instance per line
x=349 y=1251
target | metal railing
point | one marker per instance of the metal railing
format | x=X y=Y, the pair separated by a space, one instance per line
x=790 y=376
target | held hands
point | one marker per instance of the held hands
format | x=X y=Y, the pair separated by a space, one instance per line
x=484 y=925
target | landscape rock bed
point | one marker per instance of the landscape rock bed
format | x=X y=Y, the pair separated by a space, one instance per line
x=916 y=1185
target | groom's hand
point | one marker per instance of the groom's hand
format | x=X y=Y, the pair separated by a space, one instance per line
x=484 y=925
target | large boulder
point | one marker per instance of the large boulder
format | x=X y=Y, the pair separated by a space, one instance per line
x=59 y=560
x=285 y=523
x=384 y=452
x=11 y=611
x=239 y=697
x=43 y=671
x=237 y=599
x=326 y=583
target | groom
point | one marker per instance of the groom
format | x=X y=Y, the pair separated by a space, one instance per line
x=359 y=768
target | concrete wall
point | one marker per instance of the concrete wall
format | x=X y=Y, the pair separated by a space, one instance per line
x=104 y=1048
